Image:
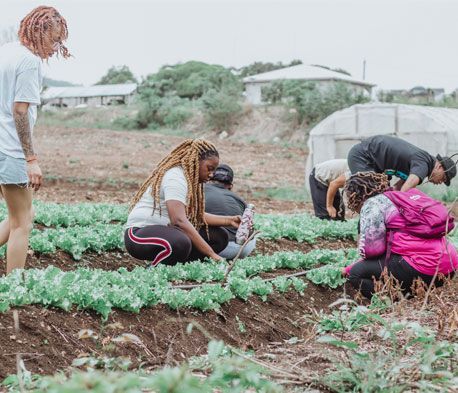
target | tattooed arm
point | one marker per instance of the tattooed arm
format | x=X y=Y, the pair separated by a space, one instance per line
x=21 y=119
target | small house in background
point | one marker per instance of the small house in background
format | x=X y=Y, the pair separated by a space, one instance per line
x=421 y=94
x=89 y=96
x=322 y=77
x=416 y=95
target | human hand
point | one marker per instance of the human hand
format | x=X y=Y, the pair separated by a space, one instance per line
x=34 y=174
x=217 y=258
x=332 y=211
x=234 y=221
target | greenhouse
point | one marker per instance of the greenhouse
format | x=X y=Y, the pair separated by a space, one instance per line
x=430 y=128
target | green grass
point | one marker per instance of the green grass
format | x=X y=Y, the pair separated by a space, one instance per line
x=283 y=194
x=98 y=118
x=442 y=192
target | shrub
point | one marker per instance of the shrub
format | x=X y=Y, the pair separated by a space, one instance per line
x=155 y=111
x=221 y=108
x=311 y=104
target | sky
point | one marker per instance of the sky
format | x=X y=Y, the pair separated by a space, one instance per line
x=405 y=43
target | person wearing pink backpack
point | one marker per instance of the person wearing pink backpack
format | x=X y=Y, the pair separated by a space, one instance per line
x=404 y=232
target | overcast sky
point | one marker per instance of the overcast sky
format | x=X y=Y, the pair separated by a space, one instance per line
x=405 y=42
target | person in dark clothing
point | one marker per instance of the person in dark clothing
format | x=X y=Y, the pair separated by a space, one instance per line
x=221 y=201
x=325 y=181
x=397 y=157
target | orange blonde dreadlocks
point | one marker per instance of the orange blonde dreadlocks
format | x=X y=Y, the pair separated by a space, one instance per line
x=36 y=32
x=363 y=185
x=187 y=155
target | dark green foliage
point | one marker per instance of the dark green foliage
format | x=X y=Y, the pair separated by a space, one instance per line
x=311 y=104
x=167 y=98
x=221 y=108
x=116 y=75
x=259 y=67
x=191 y=80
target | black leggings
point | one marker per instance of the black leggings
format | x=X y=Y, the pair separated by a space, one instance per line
x=319 y=193
x=363 y=273
x=169 y=245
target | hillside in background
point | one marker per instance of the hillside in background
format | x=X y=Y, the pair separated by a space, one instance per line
x=48 y=82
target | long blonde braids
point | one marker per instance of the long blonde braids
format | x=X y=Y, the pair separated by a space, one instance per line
x=186 y=155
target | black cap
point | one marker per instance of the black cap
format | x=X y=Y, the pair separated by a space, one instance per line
x=449 y=167
x=223 y=174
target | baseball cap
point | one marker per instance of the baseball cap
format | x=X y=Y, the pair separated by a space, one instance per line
x=449 y=167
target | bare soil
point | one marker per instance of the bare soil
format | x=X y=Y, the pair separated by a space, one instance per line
x=93 y=164
x=48 y=338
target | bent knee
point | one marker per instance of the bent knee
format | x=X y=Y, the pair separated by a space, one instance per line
x=181 y=247
x=24 y=222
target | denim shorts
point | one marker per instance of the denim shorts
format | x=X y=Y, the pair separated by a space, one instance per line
x=13 y=170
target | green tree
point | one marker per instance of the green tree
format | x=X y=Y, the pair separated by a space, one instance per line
x=115 y=75
x=259 y=67
x=191 y=79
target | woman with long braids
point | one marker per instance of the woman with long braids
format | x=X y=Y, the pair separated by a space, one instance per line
x=387 y=241
x=167 y=221
x=41 y=35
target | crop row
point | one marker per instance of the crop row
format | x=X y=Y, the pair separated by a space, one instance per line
x=100 y=237
x=66 y=215
x=76 y=240
x=300 y=227
x=142 y=287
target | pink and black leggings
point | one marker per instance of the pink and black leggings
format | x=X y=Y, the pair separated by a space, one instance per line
x=169 y=245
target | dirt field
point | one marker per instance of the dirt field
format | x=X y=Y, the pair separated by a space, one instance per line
x=82 y=165
x=102 y=165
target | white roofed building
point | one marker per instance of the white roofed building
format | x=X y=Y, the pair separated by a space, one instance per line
x=323 y=78
x=91 y=96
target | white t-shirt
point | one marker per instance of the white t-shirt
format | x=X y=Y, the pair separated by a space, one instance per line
x=174 y=187
x=20 y=81
x=328 y=171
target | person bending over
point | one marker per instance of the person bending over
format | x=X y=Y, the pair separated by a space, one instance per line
x=167 y=222
x=41 y=35
x=397 y=157
x=385 y=242
x=219 y=199
x=325 y=180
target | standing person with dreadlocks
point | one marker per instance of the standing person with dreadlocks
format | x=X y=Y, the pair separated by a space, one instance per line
x=387 y=238
x=41 y=35
x=397 y=157
x=167 y=222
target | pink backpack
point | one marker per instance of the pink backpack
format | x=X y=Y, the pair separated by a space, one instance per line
x=423 y=216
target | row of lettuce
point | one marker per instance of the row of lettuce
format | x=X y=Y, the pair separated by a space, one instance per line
x=102 y=290
x=86 y=227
